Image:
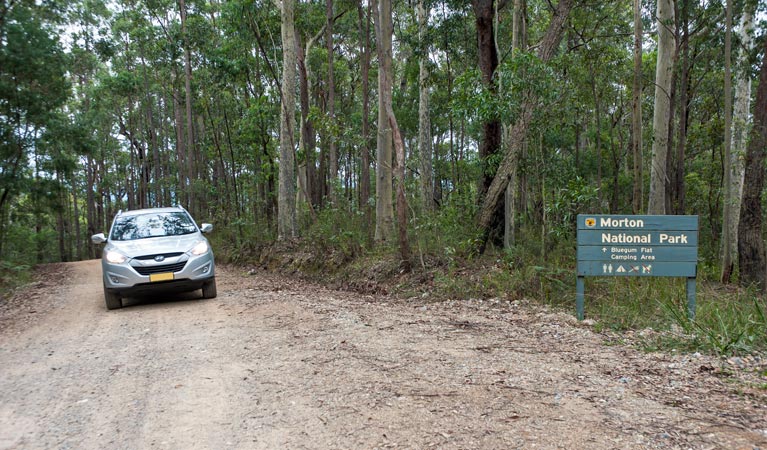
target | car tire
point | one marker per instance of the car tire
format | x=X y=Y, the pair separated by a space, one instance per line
x=112 y=300
x=209 y=289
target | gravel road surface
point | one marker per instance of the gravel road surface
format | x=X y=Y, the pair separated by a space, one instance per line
x=273 y=363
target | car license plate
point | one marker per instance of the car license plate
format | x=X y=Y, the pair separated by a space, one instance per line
x=161 y=277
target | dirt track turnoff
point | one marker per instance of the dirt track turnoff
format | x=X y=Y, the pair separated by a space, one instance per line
x=273 y=363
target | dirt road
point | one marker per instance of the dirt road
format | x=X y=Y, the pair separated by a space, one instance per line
x=273 y=363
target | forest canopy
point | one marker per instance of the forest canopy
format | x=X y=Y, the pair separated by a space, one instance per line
x=454 y=127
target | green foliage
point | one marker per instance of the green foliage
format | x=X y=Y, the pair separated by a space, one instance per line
x=448 y=236
x=579 y=197
x=13 y=275
x=726 y=323
x=337 y=238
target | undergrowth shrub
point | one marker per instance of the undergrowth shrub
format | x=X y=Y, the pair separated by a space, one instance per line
x=240 y=240
x=13 y=274
x=339 y=231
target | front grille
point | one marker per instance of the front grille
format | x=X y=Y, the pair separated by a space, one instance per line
x=164 y=255
x=164 y=268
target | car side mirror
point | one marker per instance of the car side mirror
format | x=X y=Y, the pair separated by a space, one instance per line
x=98 y=238
x=206 y=228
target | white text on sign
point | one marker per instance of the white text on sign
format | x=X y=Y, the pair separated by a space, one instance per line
x=670 y=239
x=620 y=238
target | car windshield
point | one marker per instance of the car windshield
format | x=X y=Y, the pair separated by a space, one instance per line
x=155 y=224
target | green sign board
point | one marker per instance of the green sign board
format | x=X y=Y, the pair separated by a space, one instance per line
x=637 y=246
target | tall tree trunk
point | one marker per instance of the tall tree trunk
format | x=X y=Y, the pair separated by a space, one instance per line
x=90 y=202
x=386 y=116
x=331 y=111
x=752 y=260
x=598 y=134
x=424 y=121
x=729 y=223
x=286 y=206
x=154 y=195
x=384 y=203
x=490 y=141
x=684 y=112
x=663 y=79
x=636 y=115
x=546 y=51
x=365 y=148
x=518 y=44
x=307 y=139
x=740 y=124
x=191 y=153
x=181 y=153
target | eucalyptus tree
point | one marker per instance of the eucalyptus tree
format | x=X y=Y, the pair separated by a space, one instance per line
x=364 y=37
x=727 y=219
x=424 y=119
x=752 y=260
x=636 y=112
x=547 y=47
x=391 y=135
x=384 y=205
x=490 y=142
x=286 y=215
x=661 y=118
x=737 y=137
x=518 y=44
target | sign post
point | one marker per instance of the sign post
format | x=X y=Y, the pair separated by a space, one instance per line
x=637 y=246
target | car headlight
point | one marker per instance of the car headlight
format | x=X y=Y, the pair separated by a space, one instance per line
x=200 y=248
x=115 y=257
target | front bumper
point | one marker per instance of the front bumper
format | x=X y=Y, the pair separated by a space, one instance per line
x=178 y=274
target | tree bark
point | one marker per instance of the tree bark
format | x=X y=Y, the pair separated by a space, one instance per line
x=636 y=116
x=332 y=151
x=190 y=157
x=546 y=51
x=384 y=204
x=286 y=207
x=424 y=122
x=518 y=43
x=729 y=223
x=679 y=190
x=307 y=139
x=488 y=62
x=663 y=78
x=752 y=259
x=740 y=120
x=182 y=180
x=364 y=200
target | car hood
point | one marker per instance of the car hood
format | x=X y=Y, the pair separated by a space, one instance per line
x=153 y=246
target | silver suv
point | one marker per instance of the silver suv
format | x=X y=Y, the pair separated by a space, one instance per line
x=155 y=250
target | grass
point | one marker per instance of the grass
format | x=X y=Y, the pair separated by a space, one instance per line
x=728 y=320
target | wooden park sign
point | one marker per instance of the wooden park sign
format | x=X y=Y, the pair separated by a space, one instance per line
x=637 y=246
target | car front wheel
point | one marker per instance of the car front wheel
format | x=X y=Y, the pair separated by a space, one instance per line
x=112 y=300
x=209 y=289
